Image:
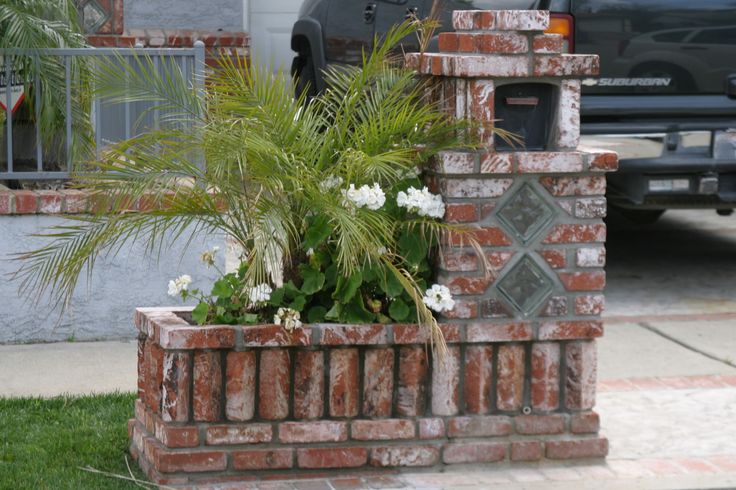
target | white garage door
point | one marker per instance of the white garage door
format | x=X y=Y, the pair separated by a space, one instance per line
x=270 y=31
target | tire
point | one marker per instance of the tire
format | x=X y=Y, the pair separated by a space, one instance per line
x=306 y=79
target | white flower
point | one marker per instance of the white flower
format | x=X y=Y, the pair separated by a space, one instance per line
x=288 y=318
x=438 y=298
x=208 y=256
x=382 y=250
x=421 y=202
x=181 y=283
x=371 y=197
x=310 y=252
x=260 y=293
x=330 y=183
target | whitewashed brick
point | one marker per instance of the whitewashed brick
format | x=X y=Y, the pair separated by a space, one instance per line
x=522 y=20
x=549 y=162
x=568 y=115
x=590 y=257
x=473 y=188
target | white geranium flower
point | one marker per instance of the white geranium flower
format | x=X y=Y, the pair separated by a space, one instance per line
x=208 y=256
x=260 y=294
x=371 y=197
x=288 y=318
x=421 y=202
x=438 y=298
x=181 y=283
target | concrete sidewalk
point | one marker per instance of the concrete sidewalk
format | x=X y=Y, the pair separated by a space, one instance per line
x=655 y=373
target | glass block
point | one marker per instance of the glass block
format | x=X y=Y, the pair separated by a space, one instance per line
x=94 y=16
x=525 y=286
x=525 y=214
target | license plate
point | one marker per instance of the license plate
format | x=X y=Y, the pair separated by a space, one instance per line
x=669 y=185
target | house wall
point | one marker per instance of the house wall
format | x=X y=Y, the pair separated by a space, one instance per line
x=184 y=14
x=102 y=308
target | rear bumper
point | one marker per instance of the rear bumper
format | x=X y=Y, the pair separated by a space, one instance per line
x=672 y=170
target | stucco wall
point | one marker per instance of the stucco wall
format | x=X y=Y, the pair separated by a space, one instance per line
x=104 y=310
x=184 y=14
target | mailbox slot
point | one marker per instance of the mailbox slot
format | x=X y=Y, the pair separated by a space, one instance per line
x=525 y=110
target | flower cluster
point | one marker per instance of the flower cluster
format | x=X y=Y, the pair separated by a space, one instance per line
x=208 y=256
x=288 y=318
x=438 y=298
x=260 y=294
x=421 y=202
x=181 y=283
x=371 y=197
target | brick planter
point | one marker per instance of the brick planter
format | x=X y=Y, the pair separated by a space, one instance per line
x=219 y=402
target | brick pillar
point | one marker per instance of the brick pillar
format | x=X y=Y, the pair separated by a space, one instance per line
x=538 y=216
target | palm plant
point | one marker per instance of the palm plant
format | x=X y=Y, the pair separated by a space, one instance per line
x=274 y=171
x=43 y=24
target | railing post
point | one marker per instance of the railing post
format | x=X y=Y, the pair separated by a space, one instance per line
x=9 y=110
x=199 y=79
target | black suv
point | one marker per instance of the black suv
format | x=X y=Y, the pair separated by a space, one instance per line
x=665 y=99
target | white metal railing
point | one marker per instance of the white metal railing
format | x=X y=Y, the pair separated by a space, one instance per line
x=22 y=156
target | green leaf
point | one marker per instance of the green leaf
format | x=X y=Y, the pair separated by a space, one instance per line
x=321 y=258
x=399 y=310
x=370 y=273
x=199 y=313
x=316 y=314
x=298 y=303
x=313 y=280
x=277 y=297
x=355 y=312
x=334 y=312
x=412 y=247
x=330 y=276
x=347 y=287
x=291 y=290
x=222 y=287
x=248 y=318
x=391 y=285
x=317 y=232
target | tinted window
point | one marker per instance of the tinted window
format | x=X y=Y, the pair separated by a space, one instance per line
x=716 y=36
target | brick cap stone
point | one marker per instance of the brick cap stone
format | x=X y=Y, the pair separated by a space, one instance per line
x=500 y=20
x=168 y=327
x=496 y=65
x=581 y=160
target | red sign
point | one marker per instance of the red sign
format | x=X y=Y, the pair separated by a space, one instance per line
x=17 y=90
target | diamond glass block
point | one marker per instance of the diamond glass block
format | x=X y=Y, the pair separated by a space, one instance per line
x=94 y=16
x=526 y=286
x=525 y=214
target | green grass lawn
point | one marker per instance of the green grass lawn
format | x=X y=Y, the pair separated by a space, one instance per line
x=44 y=442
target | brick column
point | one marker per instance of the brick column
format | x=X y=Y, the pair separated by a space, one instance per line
x=538 y=216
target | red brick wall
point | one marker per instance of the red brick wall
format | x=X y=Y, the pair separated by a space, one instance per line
x=260 y=402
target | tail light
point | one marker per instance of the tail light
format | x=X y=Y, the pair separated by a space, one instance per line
x=564 y=25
